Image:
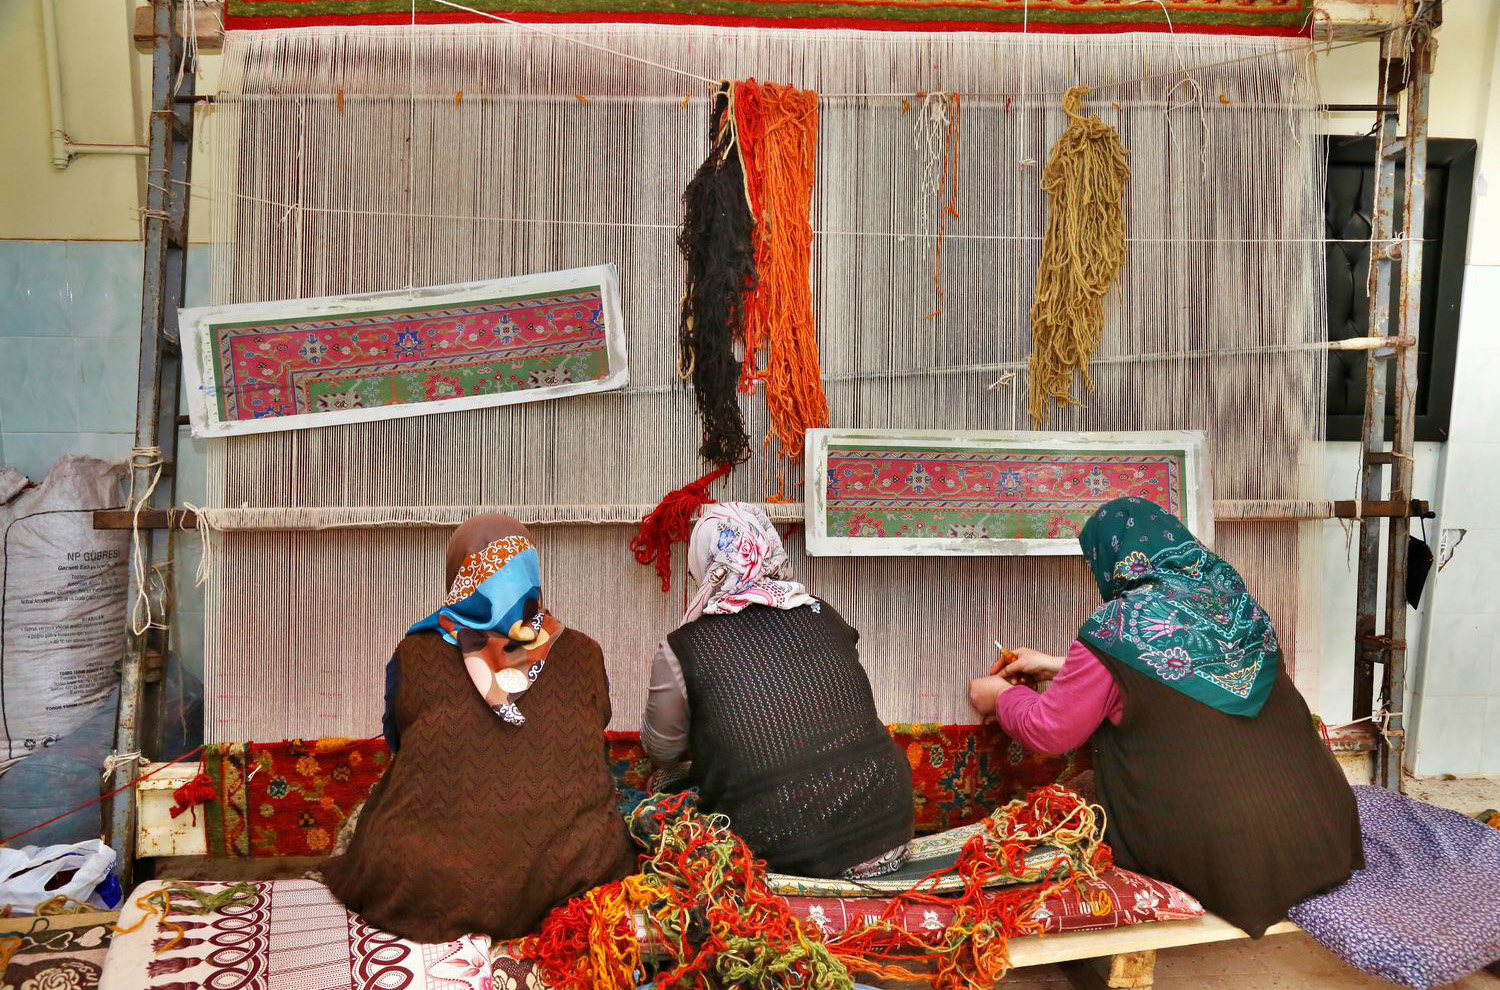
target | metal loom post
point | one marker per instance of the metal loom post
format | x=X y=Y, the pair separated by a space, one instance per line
x=159 y=363
x=1405 y=63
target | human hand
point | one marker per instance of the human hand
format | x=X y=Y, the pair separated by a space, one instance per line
x=1031 y=665
x=985 y=691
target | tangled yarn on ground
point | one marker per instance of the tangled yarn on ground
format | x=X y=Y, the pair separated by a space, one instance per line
x=704 y=899
x=973 y=951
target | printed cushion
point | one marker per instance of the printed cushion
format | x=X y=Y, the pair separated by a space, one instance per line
x=1423 y=911
x=292 y=936
x=1116 y=899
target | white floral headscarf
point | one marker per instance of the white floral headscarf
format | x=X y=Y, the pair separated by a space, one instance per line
x=736 y=556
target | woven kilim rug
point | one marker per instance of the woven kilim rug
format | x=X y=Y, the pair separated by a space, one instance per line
x=922 y=492
x=338 y=359
x=290 y=798
x=1266 y=17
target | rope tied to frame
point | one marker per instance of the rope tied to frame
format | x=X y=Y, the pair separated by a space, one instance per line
x=143 y=611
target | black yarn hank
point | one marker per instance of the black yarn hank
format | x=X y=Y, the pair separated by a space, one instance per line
x=716 y=244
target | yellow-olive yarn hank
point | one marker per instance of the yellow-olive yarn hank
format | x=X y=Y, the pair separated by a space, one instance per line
x=1082 y=252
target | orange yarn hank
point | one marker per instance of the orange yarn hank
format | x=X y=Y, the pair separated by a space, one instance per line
x=973 y=951
x=590 y=942
x=778 y=140
x=672 y=522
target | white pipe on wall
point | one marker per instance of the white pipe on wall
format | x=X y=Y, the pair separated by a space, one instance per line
x=63 y=150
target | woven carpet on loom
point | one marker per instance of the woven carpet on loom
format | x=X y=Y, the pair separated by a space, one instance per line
x=289 y=798
x=1265 y=17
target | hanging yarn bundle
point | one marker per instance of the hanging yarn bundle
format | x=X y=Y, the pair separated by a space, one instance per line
x=199 y=790
x=715 y=241
x=935 y=136
x=778 y=138
x=672 y=522
x=972 y=952
x=1082 y=251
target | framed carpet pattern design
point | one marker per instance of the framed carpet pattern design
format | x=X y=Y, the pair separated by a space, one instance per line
x=1264 y=17
x=925 y=492
x=259 y=367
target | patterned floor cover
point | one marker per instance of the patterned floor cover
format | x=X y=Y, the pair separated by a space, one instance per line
x=59 y=953
x=295 y=936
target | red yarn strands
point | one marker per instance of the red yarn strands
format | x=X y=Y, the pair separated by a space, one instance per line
x=972 y=952
x=778 y=135
x=672 y=522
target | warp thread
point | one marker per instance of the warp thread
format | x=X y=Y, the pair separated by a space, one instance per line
x=1082 y=252
x=672 y=522
x=778 y=139
x=718 y=250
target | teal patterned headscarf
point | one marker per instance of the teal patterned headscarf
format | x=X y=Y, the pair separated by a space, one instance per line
x=1175 y=610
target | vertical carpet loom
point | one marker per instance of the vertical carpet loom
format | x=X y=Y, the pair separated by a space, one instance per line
x=356 y=159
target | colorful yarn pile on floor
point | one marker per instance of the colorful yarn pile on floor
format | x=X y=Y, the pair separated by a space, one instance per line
x=704 y=899
x=972 y=951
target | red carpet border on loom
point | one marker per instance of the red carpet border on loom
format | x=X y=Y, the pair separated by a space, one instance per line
x=1262 y=17
x=289 y=798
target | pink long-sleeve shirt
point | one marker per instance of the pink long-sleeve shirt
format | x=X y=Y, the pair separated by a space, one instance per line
x=1079 y=699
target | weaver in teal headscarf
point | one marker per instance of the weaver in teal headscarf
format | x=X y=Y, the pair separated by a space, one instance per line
x=1175 y=610
x=1205 y=757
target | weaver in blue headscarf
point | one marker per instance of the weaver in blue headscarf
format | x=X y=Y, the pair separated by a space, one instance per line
x=1206 y=759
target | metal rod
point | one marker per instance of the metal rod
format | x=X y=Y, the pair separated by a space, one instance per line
x=1358 y=107
x=59 y=133
x=1404 y=368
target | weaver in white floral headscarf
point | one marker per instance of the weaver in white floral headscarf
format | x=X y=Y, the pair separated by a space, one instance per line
x=763 y=683
x=736 y=557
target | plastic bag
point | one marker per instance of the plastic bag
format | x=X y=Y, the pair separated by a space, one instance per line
x=34 y=874
x=60 y=778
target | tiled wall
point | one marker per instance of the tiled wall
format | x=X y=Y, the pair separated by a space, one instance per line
x=70 y=316
x=1456 y=700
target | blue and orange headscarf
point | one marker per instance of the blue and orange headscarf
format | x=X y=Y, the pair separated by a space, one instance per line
x=493 y=612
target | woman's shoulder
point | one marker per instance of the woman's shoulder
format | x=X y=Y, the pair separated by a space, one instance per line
x=422 y=645
x=577 y=642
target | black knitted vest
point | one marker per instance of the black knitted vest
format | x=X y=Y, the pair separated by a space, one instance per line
x=786 y=740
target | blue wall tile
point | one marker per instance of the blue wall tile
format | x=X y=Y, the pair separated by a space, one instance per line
x=41 y=379
x=103 y=286
x=33 y=289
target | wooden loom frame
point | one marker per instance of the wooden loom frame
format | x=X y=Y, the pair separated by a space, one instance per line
x=1127 y=954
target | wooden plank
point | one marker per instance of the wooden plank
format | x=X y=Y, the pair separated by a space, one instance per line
x=208 y=25
x=1043 y=950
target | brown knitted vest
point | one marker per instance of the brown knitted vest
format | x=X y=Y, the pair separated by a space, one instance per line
x=1249 y=815
x=480 y=826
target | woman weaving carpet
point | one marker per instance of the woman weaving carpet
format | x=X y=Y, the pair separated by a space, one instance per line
x=498 y=805
x=1206 y=759
x=763 y=683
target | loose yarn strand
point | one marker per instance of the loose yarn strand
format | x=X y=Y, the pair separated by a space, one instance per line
x=1082 y=252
